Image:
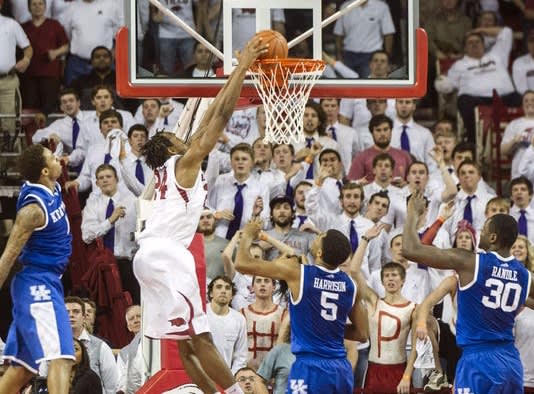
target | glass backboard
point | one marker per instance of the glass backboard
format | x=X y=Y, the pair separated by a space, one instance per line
x=329 y=26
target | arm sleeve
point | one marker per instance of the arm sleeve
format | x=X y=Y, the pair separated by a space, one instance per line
x=519 y=76
x=40 y=135
x=503 y=46
x=313 y=208
x=84 y=178
x=266 y=369
x=130 y=180
x=122 y=368
x=76 y=157
x=344 y=71
x=92 y=227
x=108 y=370
x=239 y=359
x=386 y=24
x=526 y=165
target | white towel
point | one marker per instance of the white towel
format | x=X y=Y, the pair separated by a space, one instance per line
x=425 y=355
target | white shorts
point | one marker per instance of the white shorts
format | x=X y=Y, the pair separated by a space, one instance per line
x=172 y=305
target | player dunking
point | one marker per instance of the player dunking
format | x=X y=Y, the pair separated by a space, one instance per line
x=322 y=297
x=163 y=265
x=492 y=289
x=40 y=330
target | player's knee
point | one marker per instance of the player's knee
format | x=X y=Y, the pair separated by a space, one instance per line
x=61 y=364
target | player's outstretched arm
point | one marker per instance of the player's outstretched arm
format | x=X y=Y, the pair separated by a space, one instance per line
x=461 y=260
x=284 y=268
x=222 y=108
x=358 y=330
x=28 y=219
x=405 y=383
x=447 y=286
x=364 y=291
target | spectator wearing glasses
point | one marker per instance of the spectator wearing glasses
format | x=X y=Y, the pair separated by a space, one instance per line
x=250 y=382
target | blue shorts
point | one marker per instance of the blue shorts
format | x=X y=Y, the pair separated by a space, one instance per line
x=489 y=369
x=40 y=330
x=311 y=374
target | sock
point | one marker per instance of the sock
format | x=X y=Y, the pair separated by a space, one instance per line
x=234 y=389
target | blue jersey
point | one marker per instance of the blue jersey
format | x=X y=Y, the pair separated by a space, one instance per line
x=49 y=247
x=319 y=315
x=487 y=306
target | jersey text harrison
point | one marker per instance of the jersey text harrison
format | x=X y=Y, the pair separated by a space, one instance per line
x=325 y=284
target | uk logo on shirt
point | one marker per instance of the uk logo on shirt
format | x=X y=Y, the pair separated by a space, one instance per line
x=298 y=386
x=40 y=293
x=464 y=390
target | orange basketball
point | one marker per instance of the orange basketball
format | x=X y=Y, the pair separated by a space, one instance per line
x=277 y=44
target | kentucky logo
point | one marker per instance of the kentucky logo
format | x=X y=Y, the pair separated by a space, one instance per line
x=40 y=293
x=464 y=390
x=298 y=386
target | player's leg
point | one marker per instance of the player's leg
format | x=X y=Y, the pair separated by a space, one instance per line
x=212 y=362
x=14 y=379
x=194 y=369
x=58 y=380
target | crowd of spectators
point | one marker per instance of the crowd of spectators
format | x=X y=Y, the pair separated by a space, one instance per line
x=359 y=161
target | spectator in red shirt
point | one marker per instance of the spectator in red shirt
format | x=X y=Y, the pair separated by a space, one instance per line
x=41 y=82
x=361 y=169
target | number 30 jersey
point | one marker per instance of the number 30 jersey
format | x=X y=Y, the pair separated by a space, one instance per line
x=176 y=210
x=319 y=315
x=488 y=305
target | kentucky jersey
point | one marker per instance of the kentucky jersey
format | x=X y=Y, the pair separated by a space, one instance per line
x=319 y=315
x=176 y=210
x=487 y=306
x=49 y=246
x=40 y=329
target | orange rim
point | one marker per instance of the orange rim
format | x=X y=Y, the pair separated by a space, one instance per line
x=294 y=64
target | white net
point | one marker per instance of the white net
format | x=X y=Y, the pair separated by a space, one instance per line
x=284 y=87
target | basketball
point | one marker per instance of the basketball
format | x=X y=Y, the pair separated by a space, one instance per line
x=277 y=44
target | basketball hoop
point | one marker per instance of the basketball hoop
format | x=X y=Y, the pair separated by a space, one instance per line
x=284 y=86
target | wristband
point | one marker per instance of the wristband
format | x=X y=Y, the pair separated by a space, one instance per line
x=365 y=238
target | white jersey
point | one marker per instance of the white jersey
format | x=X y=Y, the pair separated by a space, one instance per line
x=389 y=326
x=524 y=341
x=176 y=210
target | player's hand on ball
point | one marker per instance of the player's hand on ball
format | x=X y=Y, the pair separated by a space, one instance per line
x=254 y=48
